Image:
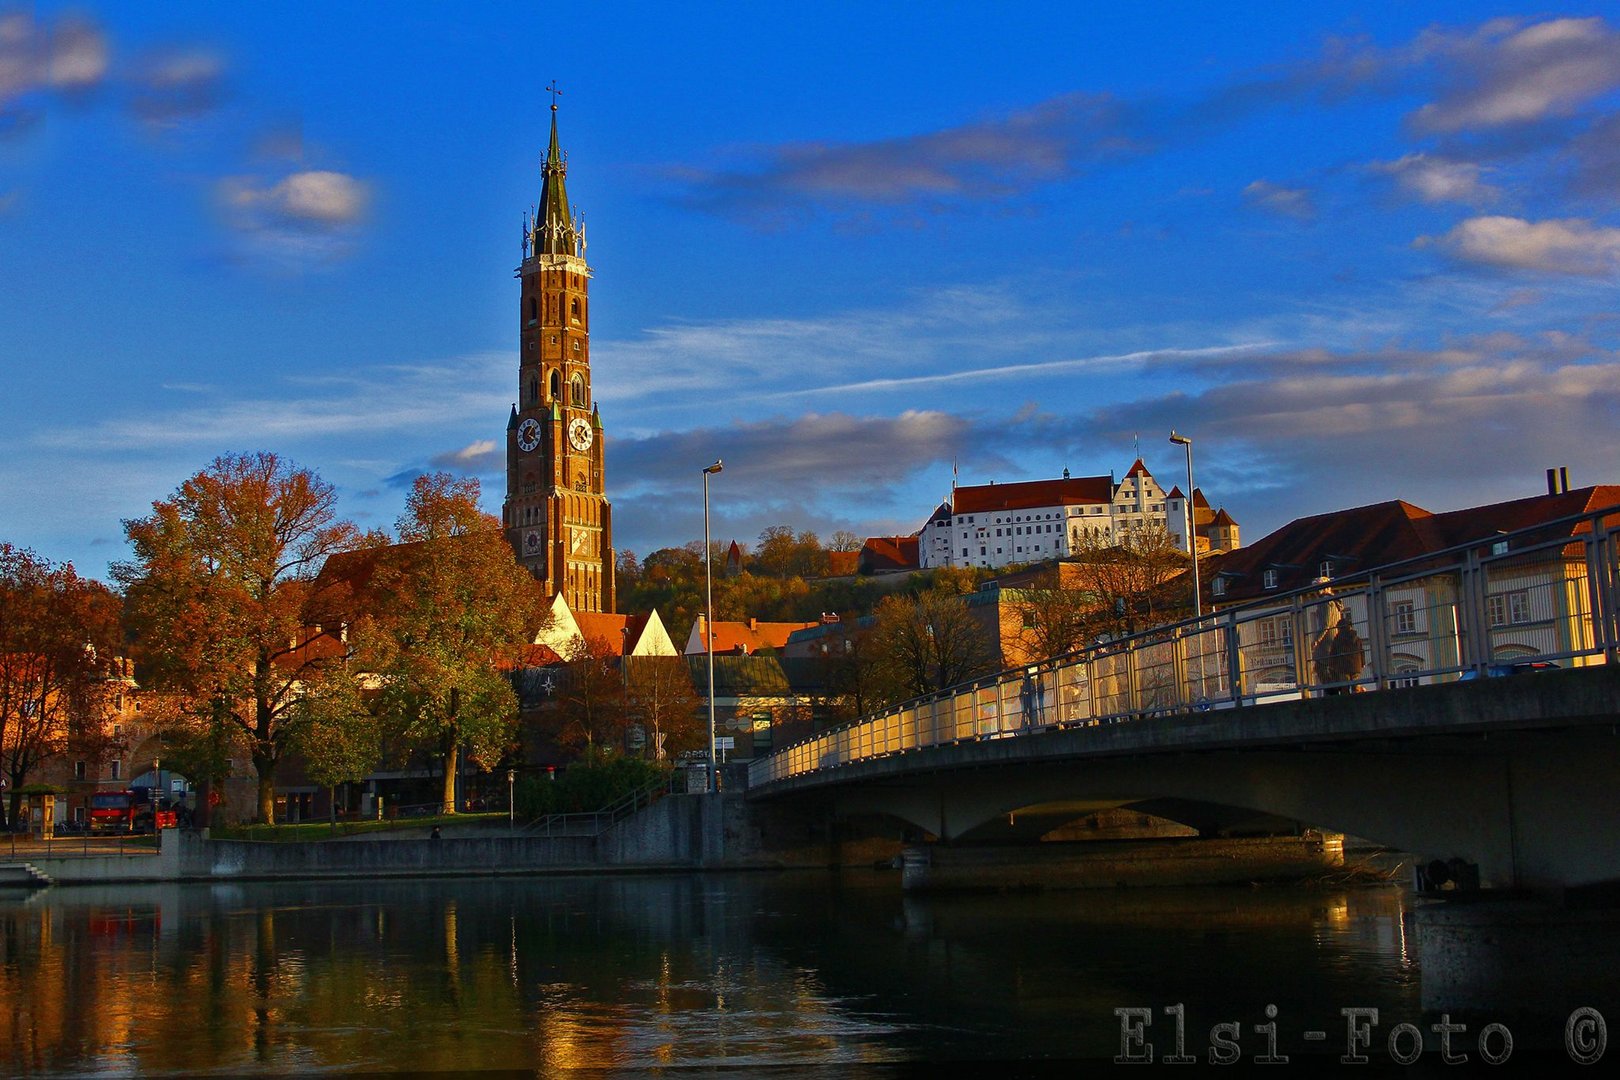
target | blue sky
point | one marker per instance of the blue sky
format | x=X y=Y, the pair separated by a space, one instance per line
x=1358 y=252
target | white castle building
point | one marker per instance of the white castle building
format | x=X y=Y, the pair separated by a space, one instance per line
x=996 y=525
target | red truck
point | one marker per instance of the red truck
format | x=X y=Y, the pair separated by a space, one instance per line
x=127 y=812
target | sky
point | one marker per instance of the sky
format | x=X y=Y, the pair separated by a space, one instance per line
x=1356 y=252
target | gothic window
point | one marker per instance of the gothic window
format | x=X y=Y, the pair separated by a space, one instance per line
x=556 y=384
x=577 y=387
x=534 y=389
x=573 y=309
x=534 y=309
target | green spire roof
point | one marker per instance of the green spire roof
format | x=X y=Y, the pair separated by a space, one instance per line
x=554 y=230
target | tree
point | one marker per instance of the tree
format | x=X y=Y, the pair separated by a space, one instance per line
x=1055 y=620
x=927 y=643
x=217 y=590
x=58 y=632
x=660 y=697
x=590 y=711
x=339 y=736
x=844 y=540
x=1125 y=579
x=451 y=603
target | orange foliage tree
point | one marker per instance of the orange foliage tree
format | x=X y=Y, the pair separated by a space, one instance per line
x=453 y=605
x=57 y=632
x=216 y=595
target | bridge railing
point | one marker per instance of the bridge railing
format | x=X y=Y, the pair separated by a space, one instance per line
x=1550 y=593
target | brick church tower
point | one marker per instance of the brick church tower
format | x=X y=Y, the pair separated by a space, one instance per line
x=556 y=516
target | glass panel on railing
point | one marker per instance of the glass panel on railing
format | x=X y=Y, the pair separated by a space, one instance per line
x=1074 y=694
x=1111 y=682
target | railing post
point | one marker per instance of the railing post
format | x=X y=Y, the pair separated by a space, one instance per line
x=1234 y=661
x=1178 y=665
x=1476 y=624
x=1378 y=632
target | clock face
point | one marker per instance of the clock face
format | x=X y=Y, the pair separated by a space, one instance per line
x=580 y=434
x=531 y=543
x=528 y=434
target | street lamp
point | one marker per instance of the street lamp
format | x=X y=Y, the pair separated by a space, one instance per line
x=1192 y=525
x=708 y=621
x=511 y=807
x=157 y=784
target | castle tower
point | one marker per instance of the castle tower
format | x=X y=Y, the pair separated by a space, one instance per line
x=556 y=516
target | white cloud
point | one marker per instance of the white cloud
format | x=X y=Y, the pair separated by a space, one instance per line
x=1435 y=179
x=316 y=198
x=78 y=56
x=1504 y=74
x=1563 y=246
x=1289 y=202
x=481 y=455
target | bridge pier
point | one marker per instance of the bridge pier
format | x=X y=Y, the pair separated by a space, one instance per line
x=1111 y=864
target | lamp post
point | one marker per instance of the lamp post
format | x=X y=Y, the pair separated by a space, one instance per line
x=1192 y=526
x=708 y=619
x=157 y=785
x=511 y=807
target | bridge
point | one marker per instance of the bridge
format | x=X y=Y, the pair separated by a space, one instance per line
x=1476 y=725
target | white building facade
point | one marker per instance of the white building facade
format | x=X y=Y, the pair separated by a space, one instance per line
x=996 y=525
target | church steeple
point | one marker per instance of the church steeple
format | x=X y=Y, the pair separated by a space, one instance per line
x=557 y=515
x=555 y=231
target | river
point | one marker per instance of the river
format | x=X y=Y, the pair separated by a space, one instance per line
x=630 y=974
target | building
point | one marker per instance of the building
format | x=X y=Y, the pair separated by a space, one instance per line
x=556 y=515
x=1535 y=603
x=741 y=638
x=996 y=525
x=624 y=635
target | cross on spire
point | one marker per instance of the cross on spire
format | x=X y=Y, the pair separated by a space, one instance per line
x=554 y=92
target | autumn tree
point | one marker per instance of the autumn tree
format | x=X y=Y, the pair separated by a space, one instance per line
x=590 y=709
x=660 y=697
x=216 y=594
x=1121 y=583
x=782 y=553
x=844 y=540
x=451 y=603
x=929 y=642
x=58 y=634
x=1054 y=620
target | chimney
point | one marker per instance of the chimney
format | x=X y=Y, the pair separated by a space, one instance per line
x=1552 y=481
x=1563 y=478
x=753 y=622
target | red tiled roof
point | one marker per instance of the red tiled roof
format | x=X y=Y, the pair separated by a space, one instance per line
x=1032 y=493
x=600 y=626
x=881 y=553
x=1365 y=537
x=750 y=636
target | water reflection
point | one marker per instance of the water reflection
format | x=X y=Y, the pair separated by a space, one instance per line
x=622 y=973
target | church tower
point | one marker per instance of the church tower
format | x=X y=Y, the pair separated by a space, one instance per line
x=556 y=516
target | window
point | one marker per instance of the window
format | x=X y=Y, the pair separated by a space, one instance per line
x=576 y=386
x=1508 y=608
x=1403 y=617
x=1270 y=579
x=534 y=389
x=80 y=770
x=1218 y=586
x=1325 y=569
x=1277 y=631
x=1499 y=548
x=573 y=309
x=534 y=309
x=1404 y=676
x=115 y=770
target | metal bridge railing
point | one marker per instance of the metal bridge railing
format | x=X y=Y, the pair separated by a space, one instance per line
x=1551 y=593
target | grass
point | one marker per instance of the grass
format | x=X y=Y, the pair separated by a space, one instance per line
x=307 y=831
